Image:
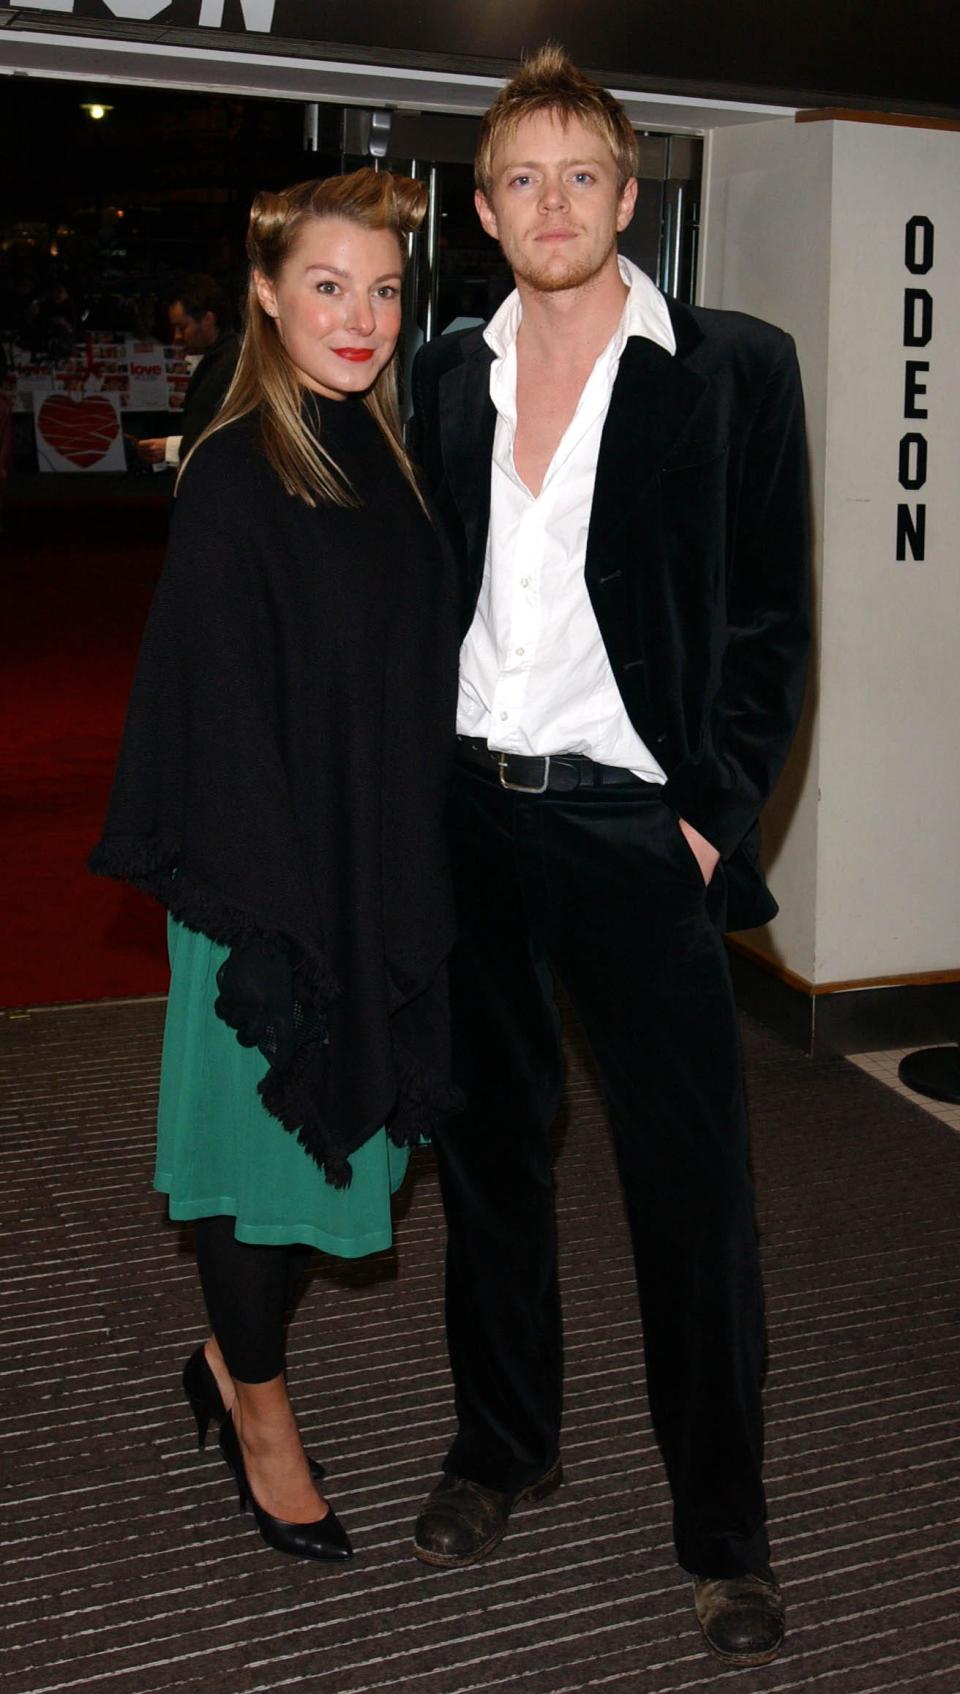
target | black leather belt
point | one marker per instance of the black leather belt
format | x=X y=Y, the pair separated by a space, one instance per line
x=560 y=772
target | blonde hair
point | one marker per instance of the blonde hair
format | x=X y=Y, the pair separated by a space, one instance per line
x=266 y=377
x=549 y=81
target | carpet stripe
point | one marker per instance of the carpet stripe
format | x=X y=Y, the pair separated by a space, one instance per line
x=146 y=1577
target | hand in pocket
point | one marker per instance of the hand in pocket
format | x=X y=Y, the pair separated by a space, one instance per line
x=704 y=852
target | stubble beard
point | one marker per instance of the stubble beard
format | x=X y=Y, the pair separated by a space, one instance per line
x=549 y=277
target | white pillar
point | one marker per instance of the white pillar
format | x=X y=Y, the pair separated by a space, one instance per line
x=835 y=230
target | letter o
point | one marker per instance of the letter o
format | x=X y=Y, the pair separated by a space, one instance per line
x=918 y=246
x=913 y=461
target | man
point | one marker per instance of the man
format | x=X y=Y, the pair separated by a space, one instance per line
x=633 y=567
x=199 y=318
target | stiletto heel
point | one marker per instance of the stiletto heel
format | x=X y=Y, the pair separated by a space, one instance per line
x=202 y=1394
x=206 y=1402
x=325 y=1539
x=203 y=1423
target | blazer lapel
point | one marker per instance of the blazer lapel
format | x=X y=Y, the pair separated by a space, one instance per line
x=654 y=397
x=467 y=425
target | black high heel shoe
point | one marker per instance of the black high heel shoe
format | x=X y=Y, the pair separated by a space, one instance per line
x=206 y=1402
x=325 y=1539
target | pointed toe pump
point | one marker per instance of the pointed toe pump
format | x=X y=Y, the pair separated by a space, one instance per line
x=326 y=1539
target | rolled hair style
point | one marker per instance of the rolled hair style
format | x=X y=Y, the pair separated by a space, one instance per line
x=549 y=81
x=266 y=377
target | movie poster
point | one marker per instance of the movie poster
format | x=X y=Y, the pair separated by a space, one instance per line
x=78 y=432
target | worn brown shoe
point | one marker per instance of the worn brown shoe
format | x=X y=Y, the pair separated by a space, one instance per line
x=741 y=1617
x=462 y=1521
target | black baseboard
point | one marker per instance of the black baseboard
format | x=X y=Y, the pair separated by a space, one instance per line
x=854 y=1020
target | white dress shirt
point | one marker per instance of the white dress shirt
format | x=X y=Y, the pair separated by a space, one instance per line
x=171 y=451
x=534 y=673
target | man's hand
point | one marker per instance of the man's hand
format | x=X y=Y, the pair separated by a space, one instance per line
x=152 y=449
x=704 y=852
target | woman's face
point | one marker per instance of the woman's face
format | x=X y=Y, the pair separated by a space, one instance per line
x=336 y=304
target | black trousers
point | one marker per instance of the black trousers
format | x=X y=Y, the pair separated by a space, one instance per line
x=600 y=888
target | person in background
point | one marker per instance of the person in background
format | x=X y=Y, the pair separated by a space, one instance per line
x=622 y=479
x=200 y=320
x=280 y=789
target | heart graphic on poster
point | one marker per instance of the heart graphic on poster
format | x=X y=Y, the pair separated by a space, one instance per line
x=79 y=430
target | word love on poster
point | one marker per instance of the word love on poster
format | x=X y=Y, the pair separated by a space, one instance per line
x=147 y=385
x=79 y=432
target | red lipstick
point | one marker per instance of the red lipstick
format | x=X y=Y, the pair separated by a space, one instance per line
x=359 y=355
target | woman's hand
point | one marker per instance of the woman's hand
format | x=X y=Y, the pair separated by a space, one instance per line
x=257 y=999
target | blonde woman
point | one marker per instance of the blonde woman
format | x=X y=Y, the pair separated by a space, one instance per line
x=279 y=789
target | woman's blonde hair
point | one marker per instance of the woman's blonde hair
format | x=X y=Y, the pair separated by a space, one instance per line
x=266 y=377
x=549 y=81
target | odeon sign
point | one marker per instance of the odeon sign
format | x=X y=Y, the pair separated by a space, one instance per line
x=917 y=332
x=204 y=14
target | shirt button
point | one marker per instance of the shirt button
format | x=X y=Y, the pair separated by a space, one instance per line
x=503 y=717
x=524 y=582
x=519 y=652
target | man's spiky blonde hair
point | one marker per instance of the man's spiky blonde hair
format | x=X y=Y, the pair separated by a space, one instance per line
x=549 y=81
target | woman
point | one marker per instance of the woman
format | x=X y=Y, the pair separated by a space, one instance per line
x=280 y=789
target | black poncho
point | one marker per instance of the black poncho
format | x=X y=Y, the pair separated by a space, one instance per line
x=284 y=763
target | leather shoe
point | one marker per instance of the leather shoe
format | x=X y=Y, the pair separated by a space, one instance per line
x=741 y=1617
x=324 y=1539
x=463 y=1521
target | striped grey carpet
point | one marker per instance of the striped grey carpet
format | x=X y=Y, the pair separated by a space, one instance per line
x=128 y=1569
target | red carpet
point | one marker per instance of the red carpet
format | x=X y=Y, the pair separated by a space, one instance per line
x=77 y=579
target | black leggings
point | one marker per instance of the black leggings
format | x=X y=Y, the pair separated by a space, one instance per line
x=248 y=1292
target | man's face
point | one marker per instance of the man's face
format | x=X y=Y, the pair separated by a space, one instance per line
x=554 y=204
x=194 y=335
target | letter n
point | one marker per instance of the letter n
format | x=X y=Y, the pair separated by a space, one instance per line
x=911 y=532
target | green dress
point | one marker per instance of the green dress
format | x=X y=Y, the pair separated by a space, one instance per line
x=220 y=1153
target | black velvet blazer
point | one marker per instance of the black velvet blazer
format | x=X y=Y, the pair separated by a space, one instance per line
x=697 y=553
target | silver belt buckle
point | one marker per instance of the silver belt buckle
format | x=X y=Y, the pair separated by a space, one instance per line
x=525 y=787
